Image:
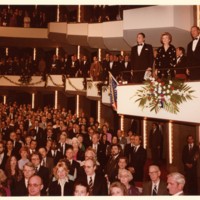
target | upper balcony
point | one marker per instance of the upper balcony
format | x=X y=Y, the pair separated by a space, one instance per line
x=112 y=35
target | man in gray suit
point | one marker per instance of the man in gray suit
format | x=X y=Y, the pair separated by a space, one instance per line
x=155 y=186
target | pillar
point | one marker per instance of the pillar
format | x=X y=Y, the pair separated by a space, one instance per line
x=4 y=99
x=33 y=101
x=77 y=105
x=99 y=111
x=170 y=141
x=56 y=99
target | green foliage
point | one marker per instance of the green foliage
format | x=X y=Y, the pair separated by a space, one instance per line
x=164 y=94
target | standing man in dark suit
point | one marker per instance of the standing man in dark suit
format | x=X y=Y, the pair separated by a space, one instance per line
x=138 y=160
x=47 y=161
x=141 y=58
x=193 y=53
x=112 y=164
x=96 y=182
x=155 y=143
x=21 y=188
x=41 y=171
x=40 y=134
x=54 y=153
x=181 y=62
x=62 y=146
x=190 y=156
x=126 y=69
x=73 y=165
x=155 y=186
x=84 y=67
x=99 y=149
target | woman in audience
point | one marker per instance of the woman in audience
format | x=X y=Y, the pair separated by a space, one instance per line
x=9 y=148
x=24 y=153
x=125 y=177
x=62 y=186
x=117 y=189
x=78 y=153
x=13 y=172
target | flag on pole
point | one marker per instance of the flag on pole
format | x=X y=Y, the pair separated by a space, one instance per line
x=113 y=91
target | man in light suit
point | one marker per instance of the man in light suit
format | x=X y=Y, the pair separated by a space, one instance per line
x=155 y=186
x=193 y=54
x=141 y=58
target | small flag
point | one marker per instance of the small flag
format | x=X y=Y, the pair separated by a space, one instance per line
x=113 y=91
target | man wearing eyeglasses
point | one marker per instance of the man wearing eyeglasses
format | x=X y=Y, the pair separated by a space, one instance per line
x=155 y=186
x=35 y=186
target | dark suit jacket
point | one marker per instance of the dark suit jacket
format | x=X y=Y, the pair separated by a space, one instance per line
x=16 y=149
x=56 y=157
x=55 y=189
x=162 y=188
x=188 y=156
x=41 y=136
x=111 y=167
x=60 y=149
x=84 y=68
x=138 y=160
x=182 y=63
x=101 y=154
x=100 y=184
x=3 y=163
x=20 y=189
x=193 y=58
x=44 y=174
x=72 y=167
x=142 y=61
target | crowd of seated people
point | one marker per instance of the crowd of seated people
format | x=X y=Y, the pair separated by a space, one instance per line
x=64 y=150
x=71 y=66
x=17 y=17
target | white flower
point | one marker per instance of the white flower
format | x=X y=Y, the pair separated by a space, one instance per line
x=170 y=82
x=167 y=91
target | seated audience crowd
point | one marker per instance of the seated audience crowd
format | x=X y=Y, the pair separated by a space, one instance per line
x=55 y=153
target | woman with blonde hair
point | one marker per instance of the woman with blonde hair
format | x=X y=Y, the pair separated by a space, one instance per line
x=62 y=186
x=166 y=57
x=117 y=189
x=125 y=177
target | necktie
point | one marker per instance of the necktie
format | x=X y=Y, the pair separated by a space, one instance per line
x=44 y=163
x=90 y=185
x=154 y=190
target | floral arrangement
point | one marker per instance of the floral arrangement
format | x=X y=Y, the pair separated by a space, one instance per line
x=164 y=94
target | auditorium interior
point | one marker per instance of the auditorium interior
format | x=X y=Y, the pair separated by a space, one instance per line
x=95 y=31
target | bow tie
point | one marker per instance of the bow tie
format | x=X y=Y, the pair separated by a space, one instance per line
x=140 y=44
x=195 y=39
